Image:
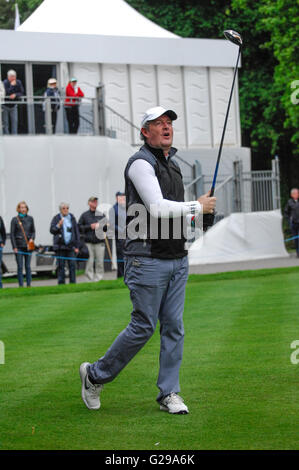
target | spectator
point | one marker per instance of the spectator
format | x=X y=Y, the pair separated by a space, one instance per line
x=2 y=243
x=66 y=241
x=53 y=93
x=22 y=231
x=291 y=212
x=72 y=105
x=13 y=91
x=117 y=217
x=88 y=224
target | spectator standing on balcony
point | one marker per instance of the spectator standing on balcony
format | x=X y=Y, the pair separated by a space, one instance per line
x=89 y=223
x=117 y=217
x=13 y=90
x=73 y=94
x=2 y=243
x=53 y=93
x=66 y=241
x=22 y=223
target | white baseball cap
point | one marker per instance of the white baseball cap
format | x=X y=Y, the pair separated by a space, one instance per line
x=157 y=111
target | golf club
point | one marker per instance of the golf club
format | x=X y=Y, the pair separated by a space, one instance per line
x=235 y=38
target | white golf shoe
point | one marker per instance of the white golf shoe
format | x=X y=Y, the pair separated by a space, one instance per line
x=174 y=404
x=90 y=392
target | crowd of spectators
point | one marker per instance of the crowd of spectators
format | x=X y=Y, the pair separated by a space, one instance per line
x=12 y=91
x=68 y=238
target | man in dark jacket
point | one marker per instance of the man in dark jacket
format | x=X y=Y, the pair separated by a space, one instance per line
x=117 y=218
x=13 y=90
x=66 y=242
x=291 y=212
x=2 y=243
x=20 y=225
x=89 y=223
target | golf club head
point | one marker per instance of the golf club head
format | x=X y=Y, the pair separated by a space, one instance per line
x=233 y=36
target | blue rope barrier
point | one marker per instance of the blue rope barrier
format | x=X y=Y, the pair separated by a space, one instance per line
x=292 y=238
x=61 y=257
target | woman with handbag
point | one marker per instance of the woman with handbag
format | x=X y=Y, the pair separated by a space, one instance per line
x=22 y=234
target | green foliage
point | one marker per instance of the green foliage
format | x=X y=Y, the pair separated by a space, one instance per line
x=7 y=15
x=282 y=21
x=7 y=11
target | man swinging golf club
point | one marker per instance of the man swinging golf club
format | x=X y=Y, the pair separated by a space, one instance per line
x=156 y=267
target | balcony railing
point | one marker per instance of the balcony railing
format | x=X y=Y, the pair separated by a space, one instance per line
x=36 y=115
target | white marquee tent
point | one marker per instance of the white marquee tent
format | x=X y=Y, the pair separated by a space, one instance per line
x=104 y=17
x=241 y=237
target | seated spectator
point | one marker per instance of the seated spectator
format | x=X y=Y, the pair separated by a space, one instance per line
x=13 y=91
x=66 y=242
x=2 y=243
x=53 y=93
x=73 y=94
x=22 y=231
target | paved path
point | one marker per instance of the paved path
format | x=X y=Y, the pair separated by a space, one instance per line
x=245 y=265
x=199 y=269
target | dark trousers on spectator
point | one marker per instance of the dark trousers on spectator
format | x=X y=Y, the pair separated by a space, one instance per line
x=120 y=257
x=27 y=258
x=54 y=119
x=295 y=233
x=72 y=115
x=62 y=260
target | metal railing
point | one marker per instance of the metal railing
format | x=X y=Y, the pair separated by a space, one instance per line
x=240 y=191
x=45 y=115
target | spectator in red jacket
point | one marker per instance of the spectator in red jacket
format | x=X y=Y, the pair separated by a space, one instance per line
x=71 y=105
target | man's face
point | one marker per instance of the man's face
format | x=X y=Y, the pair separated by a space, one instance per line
x=93 y=205
x=295 y=194
x=159 y=133
x=64 y=210
x=11 y=78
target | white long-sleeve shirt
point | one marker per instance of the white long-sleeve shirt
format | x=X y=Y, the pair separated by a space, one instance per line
x=142 y=175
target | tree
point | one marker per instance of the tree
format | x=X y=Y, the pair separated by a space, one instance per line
x=7 y=17
x=7 y=11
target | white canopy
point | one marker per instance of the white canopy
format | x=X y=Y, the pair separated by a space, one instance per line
x=241 y=237
x=101 y=17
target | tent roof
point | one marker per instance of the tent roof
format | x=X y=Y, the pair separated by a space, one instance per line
x=101 y=17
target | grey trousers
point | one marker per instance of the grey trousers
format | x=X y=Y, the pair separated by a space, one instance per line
x=96 y=255
x=10 y=112
x=157 y=291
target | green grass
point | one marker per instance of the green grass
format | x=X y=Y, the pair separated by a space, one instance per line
x=236 y=376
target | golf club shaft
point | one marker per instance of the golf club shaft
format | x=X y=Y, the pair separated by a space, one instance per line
x=224 y=127
x=108 y=249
